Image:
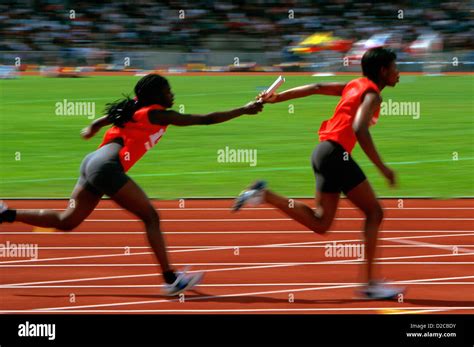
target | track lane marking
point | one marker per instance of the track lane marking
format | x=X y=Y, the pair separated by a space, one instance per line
x=293 y=290
x=158 y=275
x=330 y=309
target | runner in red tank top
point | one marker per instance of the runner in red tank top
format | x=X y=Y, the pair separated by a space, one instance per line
x=139 y=136
x=333 y=165
x=137 y=125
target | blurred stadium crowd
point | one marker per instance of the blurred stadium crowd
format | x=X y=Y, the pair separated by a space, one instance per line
x=41 y=25
x=205 y=35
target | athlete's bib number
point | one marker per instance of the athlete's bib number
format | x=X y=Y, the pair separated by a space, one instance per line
x=153 y=139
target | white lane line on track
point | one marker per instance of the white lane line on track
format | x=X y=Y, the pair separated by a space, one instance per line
x=434 y=245
x=292 y=290
x=422 y=310
x=267 y=208
x=210 y=247
x=216 y=248
x=28 y=284
x=230 y=247
x=348 y=262
x=232 y=264
x=464 y=251
x=288 y=310
x=155 y=274
x=225 y=220
x=212 y=285
x=78 y=233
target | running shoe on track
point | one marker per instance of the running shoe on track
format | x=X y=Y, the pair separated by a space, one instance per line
x=184 y=281
x=381 y=291
x=252 y=195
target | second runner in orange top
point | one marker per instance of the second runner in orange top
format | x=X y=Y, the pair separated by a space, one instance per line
x=339 y=127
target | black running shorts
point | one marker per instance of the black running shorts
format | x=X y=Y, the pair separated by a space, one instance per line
x=101 y=171
x=334 y=168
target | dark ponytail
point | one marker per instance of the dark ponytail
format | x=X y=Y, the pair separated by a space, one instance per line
x=148 y=91
x=121 y=111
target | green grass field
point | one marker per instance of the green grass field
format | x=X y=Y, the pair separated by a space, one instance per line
x=40 y=152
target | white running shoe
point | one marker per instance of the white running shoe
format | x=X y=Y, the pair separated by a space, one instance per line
x=381 y=291
x=252 y=196
x=184 y=281
x=3 y=206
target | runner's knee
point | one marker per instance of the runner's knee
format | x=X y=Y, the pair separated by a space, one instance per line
x=151 y=216
x=376 y=213
x=321 y=225
x=67 y=224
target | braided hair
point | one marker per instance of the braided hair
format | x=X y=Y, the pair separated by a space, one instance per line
x=148 y=91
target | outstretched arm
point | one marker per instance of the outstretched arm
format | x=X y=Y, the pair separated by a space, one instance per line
x=175 y=118
x=94 y=127
x=334 y=88
x=361 y=128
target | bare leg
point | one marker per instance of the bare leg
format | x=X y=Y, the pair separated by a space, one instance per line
x=364 y=198
x=319 y=222
x=81 y=205
x=132 y=198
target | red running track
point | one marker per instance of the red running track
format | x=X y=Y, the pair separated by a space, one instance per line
x=256 y=261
